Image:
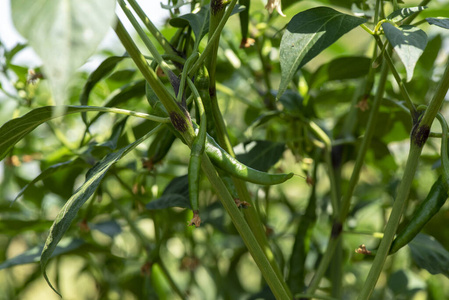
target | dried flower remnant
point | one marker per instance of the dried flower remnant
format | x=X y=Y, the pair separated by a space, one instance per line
x=272 y=4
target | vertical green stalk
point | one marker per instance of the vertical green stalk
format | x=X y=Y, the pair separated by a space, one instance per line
x=346 y=201
x=217 y=17
x=419 y=136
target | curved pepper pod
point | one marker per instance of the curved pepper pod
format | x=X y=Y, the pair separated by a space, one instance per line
x=223 y=160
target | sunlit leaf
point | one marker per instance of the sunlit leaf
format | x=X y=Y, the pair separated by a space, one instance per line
x=403 y=13
x=64 y=33
x=409 y=43
x=308 y=33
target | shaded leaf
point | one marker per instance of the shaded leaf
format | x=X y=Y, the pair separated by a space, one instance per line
x=308 y=33
x=73 y=205
x=409 y=43
x=110 y=228
x=63 y=33
x=33 y=255
x=260 y=155
x=429 y=254
x=440 y=22
x=339 y=69
x=403 y=13
x=174 y=200
x=176 y=194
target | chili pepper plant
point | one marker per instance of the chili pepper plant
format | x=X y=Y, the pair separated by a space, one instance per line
x=235 y=150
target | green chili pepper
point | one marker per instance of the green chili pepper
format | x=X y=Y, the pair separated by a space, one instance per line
x=195 y=157
x=423 y=213
x=223 y=160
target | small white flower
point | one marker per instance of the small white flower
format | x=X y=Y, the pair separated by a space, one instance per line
x=272 y=4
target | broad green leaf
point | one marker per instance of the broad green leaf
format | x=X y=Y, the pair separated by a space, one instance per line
x=68 y=213
x=440 y=22
x=64 y=33
x=429 y=254
x=401 y=14
x=308 y=33
x=260 y=155
x=409 y=43
x=14 y=130
x=33 y=255
x=339 y=69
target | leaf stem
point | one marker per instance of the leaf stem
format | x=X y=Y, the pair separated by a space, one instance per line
x=399 y=81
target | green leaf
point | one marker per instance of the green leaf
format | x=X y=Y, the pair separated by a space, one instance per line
x=440 y=22
x=308 y=33
x=260 y=155
x=99 y=73
x=33 y=255
x=14 y=130
x=176 y=194
x=68 y=213
x=429 y=254
x=167 y=201
x=110 y=228
x=199 y=22
x=64 y=33
x=339 y=69
x=401 y=14
x=409 y=43
x=129 y=91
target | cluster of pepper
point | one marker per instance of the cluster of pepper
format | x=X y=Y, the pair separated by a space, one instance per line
x=203 y=143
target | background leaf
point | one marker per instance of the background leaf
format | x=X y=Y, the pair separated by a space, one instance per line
x=429 y=254
x=64 y=33
x=308 y=33
x=73 y=205
x=409 y=43
x=176 y=194
x=260 y=155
